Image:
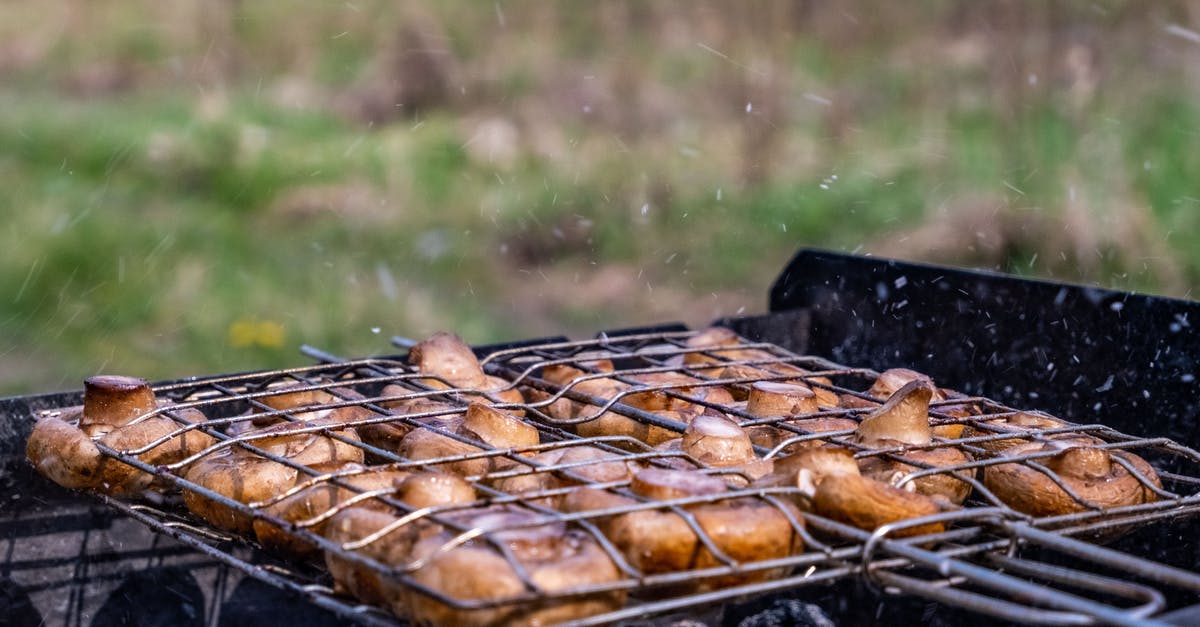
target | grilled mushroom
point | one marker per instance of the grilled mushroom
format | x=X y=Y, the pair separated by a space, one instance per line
x=556 y=559
x=453 y=363
x=1094 y=474
x=63 y=447
x=659 y=540
x=316 y=498
x=718 y=338
x=718 y=441
x=1022 y=422
x=833 y=487
x=594 y=465
x=890 y=381
x=387 y=435
x=483 y=423
x=394 y=543
x=768 y=399
x=304 y=404
x=608 y=423
x=904 y=420
x=715 y=441
x=247 y=477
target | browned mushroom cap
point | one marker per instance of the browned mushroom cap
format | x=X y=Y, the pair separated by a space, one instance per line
x=594 y=465
x=387 y=542
x=114 y=413
x=429 y=444
x=1020 y=423
x=304 y=404
x=61 y=452
x=1092 y=473
x=247 y=477
x=656 y=541
x=447 y=357
x=387 y=435
x=890 y=381
x=738 y=475
x=671 y=384
x=710 y=395
x=887 y=384
x=315 y=399
x=316 y=498
x=237 y=476
x=713 y=337
x=902 y=420
x=483 y=423
x=835 y=489
x=607 y=423
x=556 y=559
x=574 y=380
x=497 y=428
x=394 y=542
x=300 y=443
x=661 y=484
x=826 y=398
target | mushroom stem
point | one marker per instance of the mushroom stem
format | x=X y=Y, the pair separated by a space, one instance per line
x=903 y=418
x=111 y=401
x=768 y=398
x=717 y=441
x=831 y=482
x=661 y=484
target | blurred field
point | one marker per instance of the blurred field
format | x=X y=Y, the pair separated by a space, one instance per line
x=192 y=187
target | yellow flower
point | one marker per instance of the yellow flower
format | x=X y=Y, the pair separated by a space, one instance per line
x=247 y=332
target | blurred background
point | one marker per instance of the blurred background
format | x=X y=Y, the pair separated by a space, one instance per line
x=200 y=186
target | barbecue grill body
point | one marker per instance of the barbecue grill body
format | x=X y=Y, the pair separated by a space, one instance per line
x=1126 y=360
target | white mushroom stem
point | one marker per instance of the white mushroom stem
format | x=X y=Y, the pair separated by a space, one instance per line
x=717 y=441
x=768 y=398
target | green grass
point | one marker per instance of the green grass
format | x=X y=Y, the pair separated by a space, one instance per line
x=149 y=241
x=173 y=229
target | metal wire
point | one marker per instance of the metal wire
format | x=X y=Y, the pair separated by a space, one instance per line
x=615 y=376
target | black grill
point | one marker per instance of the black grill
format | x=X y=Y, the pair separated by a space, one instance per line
x=992 y=337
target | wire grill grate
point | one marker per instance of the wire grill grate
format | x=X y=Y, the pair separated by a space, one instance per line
x=641 y=381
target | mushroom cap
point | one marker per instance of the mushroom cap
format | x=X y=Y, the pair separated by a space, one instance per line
x=317 y=499
x=662 y=484
x=498 y=428
x=940 y=486
x=1090 y=471
x=448 y=357
x=428 y=444
x=867 y=504
x=63 y=447
x=892 y=380
x=433 y=489
x=1020 y=423
x=556 y=560
x=829 y=479
x=659 y=540
x=904 y=419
